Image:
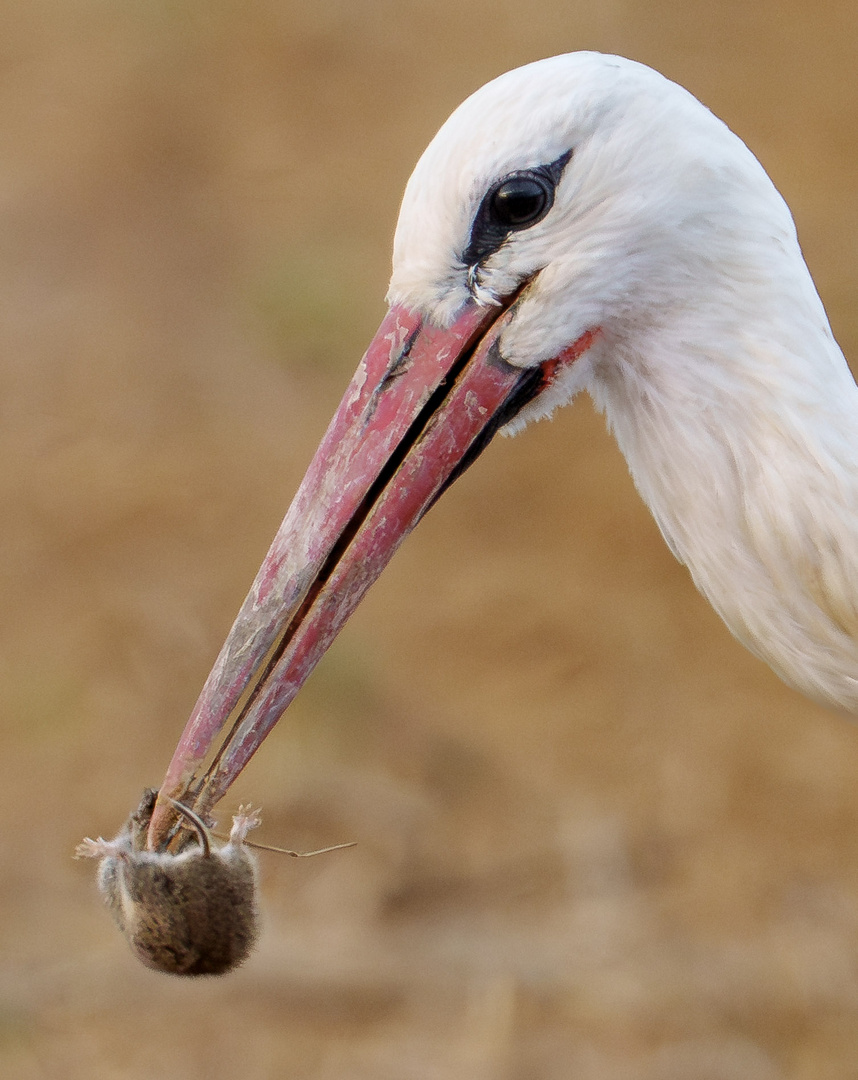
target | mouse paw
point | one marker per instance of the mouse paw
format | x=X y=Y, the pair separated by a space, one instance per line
x=98 y=848
x=246 y=819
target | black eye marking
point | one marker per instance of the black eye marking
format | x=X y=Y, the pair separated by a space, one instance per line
x=516 y=202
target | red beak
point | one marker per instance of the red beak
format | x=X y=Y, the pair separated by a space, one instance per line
x=423 y=403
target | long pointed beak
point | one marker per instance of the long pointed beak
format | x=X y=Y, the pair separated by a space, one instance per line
x=422 y=404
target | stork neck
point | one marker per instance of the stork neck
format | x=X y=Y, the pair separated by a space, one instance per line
x=744 y=444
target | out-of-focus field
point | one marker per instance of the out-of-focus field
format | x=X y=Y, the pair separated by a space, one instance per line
x=597 y=840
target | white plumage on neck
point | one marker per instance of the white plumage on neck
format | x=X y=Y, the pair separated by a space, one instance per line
x=715 y=367
x=744 y=449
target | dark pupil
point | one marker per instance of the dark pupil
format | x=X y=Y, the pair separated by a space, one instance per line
x=519 y=201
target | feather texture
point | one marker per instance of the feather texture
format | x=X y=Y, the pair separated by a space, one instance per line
x=715 y=366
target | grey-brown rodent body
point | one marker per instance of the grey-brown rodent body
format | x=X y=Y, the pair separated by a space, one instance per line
x=191 y=913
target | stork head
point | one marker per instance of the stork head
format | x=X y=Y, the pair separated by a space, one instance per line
x=563 y=217
x=609 y=194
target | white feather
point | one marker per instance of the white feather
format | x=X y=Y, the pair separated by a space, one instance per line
x=716 y=367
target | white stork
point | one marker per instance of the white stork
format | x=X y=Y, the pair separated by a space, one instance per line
x=581 y=223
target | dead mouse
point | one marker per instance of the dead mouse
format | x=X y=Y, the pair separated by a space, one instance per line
x=191 y=913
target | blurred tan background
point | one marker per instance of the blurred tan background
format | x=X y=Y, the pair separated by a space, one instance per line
x=597 y=840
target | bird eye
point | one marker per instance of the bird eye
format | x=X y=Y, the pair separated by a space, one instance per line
x=519 y=201
x=514 y=202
